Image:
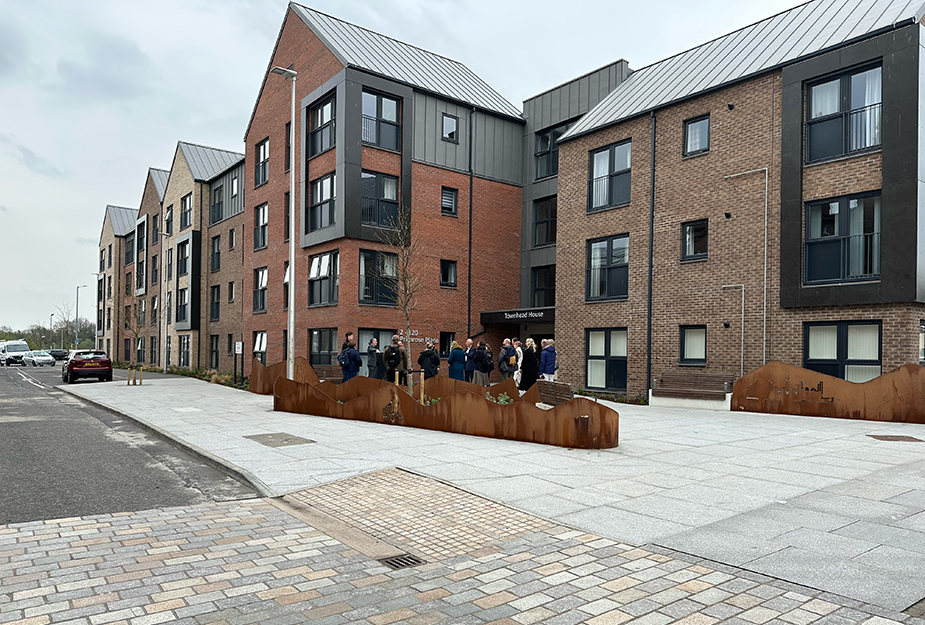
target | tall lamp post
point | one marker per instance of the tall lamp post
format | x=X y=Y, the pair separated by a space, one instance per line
x=290 y=332
x=77 y=316
x=95 y=334
x=51 y=332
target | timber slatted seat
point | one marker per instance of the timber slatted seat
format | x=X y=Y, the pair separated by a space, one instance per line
x=554 y=393
x=694 y=385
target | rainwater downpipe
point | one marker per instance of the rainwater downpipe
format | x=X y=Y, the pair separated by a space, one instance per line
x=651 y=259
x=741 y=329
x=764 y=311
x=469 y=268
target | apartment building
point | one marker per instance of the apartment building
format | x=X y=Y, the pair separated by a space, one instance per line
x=118 y=226
x=722 y=208
x=383 y=129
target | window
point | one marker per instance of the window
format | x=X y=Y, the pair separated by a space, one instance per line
x=230 y=344
x=169 y=309
x=694 y=240
x=140 y=233
x=128 y=318
x=142 y=310
x=167 y=351
x=286 y=285
x=378 y=277
x=286 y=223
x=140 y=350
x=153 y=313
x=544 y=286
x=182 y=258
x=544 y=221
x=231 y=291
x=153 y=360
x=262 y=154
x=448 y=273
x=108 y=287
x=260 y=289
x=843 y=239
x=448 y=201
x=109 y=256
x=446 y=339
x=260 y=347
x=168 y=221
x=288 y=145
x=323 y=271
x=606 y=359
x=608 y=268
x=169 y=265
x=215 y=302
x=129 y=249
x=321 y=211
x=610 y=176
x=850 y=350
x=323 y=347
x=694 y=345
x=285 y=344
x=234 y=185
x=154 y=269
x=109 y=318
x=128 y=283
x=155 y=233
x=140 y=279
x=450 y=126
x=182 y=305
x=100 y=288
x=922 y=342
x=843 y=114
x=186 y=211
x=216 y=212
x=213 y=351
x=260 y=227
x=102 y=260
x=127 y=349
x=380 y=200
x=184 y=351
x=547 y=150
x=697 y=135
x=216 y=261
x=231 y=239
x=321 y=138
x=380 y=120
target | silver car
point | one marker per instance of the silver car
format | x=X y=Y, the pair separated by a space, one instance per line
x=38 y=358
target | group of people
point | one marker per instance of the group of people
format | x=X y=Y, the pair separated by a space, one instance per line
x=472 y=364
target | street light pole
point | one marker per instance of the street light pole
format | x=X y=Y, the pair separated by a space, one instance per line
x=77 y=316
x=290 y=332
x=96 y=334
x=51 y=331
x=164 y=303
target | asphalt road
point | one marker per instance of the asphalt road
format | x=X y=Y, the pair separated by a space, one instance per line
x=61 y=457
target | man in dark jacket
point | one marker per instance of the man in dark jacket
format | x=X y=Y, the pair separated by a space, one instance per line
x=470 y=360
x=548 y=360
x=505 y=366
x=484 y=364
x=429 y=361
x=354 y=362
x=372 y=360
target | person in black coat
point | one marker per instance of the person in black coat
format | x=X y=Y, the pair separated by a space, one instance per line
x=484 y=364
x=354 y=362
x=429 y=361
x=470 y=360
x=373 y=357
x=530 y=369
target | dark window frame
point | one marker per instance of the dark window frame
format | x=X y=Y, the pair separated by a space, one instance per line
x=619 y=363
x=377 y=211
x=260 y=341
x=371 y=131
x=843 y=116
x=547 y=154
x=687 y=124
x=217 y=210
x=261 y=221
x=449 y=201
x=550 y=222
x=378 y=287
x=182 y=260
x=322 y=136
x=186 y=211
x=215 y=260
x=870 y=244
x=213 y=351
x=182 y=305
x=323 y=289
x=453 y=136
x=261 y=279
x=322 y=206
x=836 y=366
x=548 y=289
x=326 y=337
x=685 y=228
x=445 y=279
x=611 y=177
x=215 y=301
x=683 y=358
x=261 y=162
x=616 y=272
x=155 y=269
x=288 y=159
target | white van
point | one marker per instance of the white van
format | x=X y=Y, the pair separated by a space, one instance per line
x=11 y=352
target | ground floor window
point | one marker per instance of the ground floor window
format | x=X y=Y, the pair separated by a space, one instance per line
x=140 y=347
x=323 y=347
x=693 y=345
x=446 y=339
x=850 y=350
x=260 y=347
x=213 y=351
x=127 y=351
x=167 y=352
x=153 y=350
x=606 y=359
x=184 y=351
x=365 y=335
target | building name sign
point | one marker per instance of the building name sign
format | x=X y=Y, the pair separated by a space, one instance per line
x=545 y=315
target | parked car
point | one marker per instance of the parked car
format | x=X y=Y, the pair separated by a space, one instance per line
x=58 y=354
x=38 y=358
x=87 y=363
x=11 y=352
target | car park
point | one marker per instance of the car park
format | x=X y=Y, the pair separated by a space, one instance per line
x=38 y=358
x=58 y=354
x=87 y=363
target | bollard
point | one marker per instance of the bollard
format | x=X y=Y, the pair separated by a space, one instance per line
x=422 y=386
x=396 y=377
x=141 y=375
x=128 y=376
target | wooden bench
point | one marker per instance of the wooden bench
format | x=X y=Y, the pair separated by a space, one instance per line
x=693 y=385
x=554 y=393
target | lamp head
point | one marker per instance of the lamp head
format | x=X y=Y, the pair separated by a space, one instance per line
x=282 y=71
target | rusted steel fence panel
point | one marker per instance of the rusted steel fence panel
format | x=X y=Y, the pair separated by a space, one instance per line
x=262 y=378
x=779 y=388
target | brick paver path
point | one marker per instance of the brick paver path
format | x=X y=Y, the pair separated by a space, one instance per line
x=250 y=562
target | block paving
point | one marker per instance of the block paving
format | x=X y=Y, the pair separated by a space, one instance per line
x=245 y=562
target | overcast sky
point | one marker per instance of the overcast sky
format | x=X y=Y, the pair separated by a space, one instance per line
x=92 y=93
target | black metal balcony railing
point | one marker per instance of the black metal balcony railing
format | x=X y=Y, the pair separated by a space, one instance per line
x=609 y=190
x=864 y=128
x=380 y=132
x=378 y=290
x=376 y=212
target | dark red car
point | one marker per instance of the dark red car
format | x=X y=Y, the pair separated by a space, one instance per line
x=87 y=363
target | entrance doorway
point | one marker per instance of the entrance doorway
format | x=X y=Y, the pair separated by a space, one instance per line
x=364 y=336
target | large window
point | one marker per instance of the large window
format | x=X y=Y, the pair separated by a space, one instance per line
x=448 y=273
x=323 y=270
x=380 y=200
x=217 y=210
x=169 y=309
x=184 y=351
x=606 y=359
x=215 y=302
x=154 y=318
x=380 y=120
x=697 y=135
x=168 y=220
x=450 y=129
x=169 y=265
x=216 y=261
x=544 y=221
x=610 y=176
x=544 y=286
x=260 y=347
x=286 y=221
x=378 y=277
x=154 y=269
x=693 y=345
x=608 y=268
x=288 y=132
x=286 y=285
x=324 y=198
x=186 y=211
x=140 y=350
x=322 y=132
x=844 y=349
x=155 y=232
x=182 y=305
x=694 y=240
x=213 y=351
x=260 y=289
x=260 y=227
x=261 y=162
x=547 y=150
x=231 y=291
x=843 y=239
x=140 y=277
x=154 y=354
x=130 y=249
x=843 y=114
x=448 y=201
x=182 y=258
x=323 y=347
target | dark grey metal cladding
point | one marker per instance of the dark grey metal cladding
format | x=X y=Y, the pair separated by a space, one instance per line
x=801 y=32
x=231 y=205
x=371 y=51
x=122 y=219
x=920 y=177
x=194 y=282
x=900 y=253
x=160 y=177
x=205 y=163
x=497 y=152
x=429 y=146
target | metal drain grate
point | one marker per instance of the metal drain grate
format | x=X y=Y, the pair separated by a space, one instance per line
x=895 y=439
x=404 y=561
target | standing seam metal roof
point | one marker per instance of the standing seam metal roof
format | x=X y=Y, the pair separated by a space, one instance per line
x=784 y=38
x=206 y=163
x=122 y=219
x=371 y=51
x=160 y=177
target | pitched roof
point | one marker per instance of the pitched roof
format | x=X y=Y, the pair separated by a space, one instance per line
x=784 y=38
x=160 y=178
x=122 y=219
x=364 y=49
x=206 y=163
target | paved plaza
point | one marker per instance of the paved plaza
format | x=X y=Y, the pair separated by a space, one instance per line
x=813 y=507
